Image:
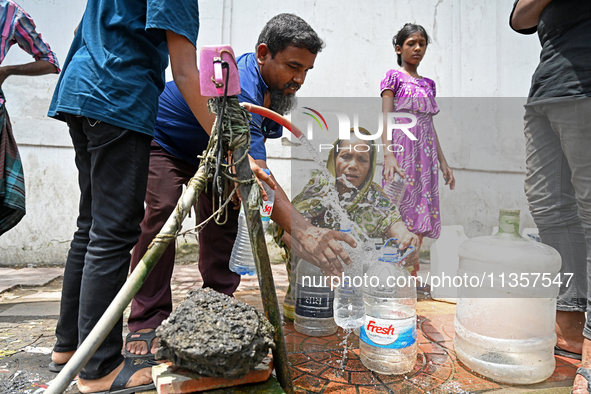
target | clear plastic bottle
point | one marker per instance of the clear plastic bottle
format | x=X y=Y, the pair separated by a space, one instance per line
x=395 y=189
x=372 y=255
x=388 y=339
x=241 y=259
x=314 y=301
x=505 y=328
x=349 y=307
x=267 y=207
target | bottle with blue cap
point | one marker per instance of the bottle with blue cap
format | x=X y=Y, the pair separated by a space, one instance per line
x=242 y=259
x=388 y=337
x=349 y=307
x=267 y=206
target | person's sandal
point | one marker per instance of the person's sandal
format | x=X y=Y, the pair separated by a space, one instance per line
x=55 y=367
x=147 y=337
x=565 y=353
x=586 y=373
x=131 y=366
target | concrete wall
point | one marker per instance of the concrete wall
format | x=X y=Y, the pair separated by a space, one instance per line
x=473 y=54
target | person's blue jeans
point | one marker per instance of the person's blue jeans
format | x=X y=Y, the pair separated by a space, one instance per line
x=558 y=189
x=112 y=173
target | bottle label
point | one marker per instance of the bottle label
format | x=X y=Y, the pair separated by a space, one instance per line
x=267 y=208
x=388 y=333
x=314 y=301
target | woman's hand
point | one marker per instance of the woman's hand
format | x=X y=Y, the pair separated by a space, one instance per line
x=410 y=239
x=448 y=175
x=321 y=246
x=406 y=239
x=391 y=167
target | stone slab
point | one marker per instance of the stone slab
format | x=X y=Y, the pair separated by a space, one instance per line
x=171 y=381
x=10 y=278
x=43 y=296
x=33 y=309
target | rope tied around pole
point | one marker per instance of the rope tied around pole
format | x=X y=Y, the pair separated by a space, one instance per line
x=235 y=132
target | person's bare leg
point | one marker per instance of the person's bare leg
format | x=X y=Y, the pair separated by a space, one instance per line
x=140 y=347
x=62 y=357
x=569 y=331
x=141 y=377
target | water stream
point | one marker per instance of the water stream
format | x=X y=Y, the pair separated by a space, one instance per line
x=338 y=214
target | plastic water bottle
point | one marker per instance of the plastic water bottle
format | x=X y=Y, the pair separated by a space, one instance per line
x=349 y=307
x=241 y=259
x=314 y=301
x=395 y=189
x=372 y=253
x=388 y=340
x=505 y=327
x=267 y=207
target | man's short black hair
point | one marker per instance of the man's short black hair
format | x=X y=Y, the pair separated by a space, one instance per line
x=284 y=30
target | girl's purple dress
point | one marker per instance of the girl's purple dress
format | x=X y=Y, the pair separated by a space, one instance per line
x=420 y=205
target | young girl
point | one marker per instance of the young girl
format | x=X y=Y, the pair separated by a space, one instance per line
x=404 y=90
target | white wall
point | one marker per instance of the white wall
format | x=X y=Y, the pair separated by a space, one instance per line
x=473 y=54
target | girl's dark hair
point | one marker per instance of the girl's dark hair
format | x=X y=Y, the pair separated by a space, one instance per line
x=404 y=33
x=284 y=30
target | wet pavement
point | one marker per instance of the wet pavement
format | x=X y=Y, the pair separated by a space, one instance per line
x=29 y=306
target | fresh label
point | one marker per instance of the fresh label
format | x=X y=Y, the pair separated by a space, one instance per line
x=388 y=333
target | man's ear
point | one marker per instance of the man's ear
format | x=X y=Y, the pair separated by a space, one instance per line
x=263 y=53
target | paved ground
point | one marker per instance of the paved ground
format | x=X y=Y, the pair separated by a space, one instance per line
x=29 y=305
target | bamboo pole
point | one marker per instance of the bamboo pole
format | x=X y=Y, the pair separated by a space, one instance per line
x=130 y=288
x=265 y=275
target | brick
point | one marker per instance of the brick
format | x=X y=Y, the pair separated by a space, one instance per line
x=171 y=381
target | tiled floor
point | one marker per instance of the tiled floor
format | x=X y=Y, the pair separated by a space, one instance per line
x=316 y=363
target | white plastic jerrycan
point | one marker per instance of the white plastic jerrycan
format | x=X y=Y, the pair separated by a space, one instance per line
x=445 y=261
x=505 y=320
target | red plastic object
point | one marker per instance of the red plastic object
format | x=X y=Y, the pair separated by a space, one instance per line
x=212 y=75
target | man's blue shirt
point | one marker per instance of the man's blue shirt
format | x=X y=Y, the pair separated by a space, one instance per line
x=114 y=71
x=180 y=134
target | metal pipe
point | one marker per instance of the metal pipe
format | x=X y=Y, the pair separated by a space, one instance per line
x=265 y=275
